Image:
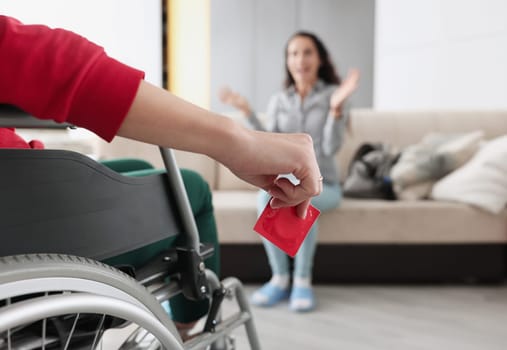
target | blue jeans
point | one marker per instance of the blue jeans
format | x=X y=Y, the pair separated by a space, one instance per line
x=328 y=199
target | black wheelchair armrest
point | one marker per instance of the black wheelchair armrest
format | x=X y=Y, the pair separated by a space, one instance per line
x=13 y=117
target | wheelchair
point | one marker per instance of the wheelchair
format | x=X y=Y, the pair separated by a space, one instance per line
x=62 y=215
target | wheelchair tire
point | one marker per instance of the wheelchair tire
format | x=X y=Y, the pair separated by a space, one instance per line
x=45 y=290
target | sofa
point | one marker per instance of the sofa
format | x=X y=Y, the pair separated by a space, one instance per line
x=366 y=240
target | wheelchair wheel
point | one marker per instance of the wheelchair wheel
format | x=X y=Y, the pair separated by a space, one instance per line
x=50 y=301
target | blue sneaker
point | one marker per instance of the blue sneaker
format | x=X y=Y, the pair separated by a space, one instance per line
x=269 y=295
x=302 y=299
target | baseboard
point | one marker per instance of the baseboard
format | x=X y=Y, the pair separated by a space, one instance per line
x=380 y=263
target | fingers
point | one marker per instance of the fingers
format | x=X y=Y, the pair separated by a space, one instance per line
x=285 y=193
x=353 y=73
x=352 y=79
x=224 y=93
x=302 y=209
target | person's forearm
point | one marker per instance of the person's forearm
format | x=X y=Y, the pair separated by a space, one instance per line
x=159 y=117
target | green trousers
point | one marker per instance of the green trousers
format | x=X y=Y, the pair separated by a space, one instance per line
x=199 y=195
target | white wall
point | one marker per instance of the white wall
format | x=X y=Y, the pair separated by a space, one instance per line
x=440 y=54
x=129 y=30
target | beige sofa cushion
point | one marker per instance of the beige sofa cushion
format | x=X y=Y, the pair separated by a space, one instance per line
x=371 y=221
x=376 y=221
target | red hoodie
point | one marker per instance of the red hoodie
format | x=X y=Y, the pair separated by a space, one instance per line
x=57 y=74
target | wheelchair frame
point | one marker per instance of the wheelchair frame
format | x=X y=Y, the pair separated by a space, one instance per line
x=43 y=274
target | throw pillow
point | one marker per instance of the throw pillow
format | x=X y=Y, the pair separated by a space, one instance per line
x=435 y=156
x=481 y=182
x=420 y=190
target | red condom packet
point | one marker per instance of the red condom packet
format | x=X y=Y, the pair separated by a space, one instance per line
x=284 y=228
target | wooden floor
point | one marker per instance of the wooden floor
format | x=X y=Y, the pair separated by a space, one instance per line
x=384 y=317
x=390 y=317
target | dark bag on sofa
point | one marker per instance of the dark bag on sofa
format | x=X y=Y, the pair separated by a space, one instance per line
x=368 y=173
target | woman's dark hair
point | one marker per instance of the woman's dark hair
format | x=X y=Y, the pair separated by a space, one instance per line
x=326 y=72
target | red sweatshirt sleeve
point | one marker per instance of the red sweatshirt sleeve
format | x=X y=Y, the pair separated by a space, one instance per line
x=57 y=74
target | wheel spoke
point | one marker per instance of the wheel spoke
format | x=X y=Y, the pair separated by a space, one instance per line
x=9 y=344
x=98 y=331
x=44 y=325
x=71 y=333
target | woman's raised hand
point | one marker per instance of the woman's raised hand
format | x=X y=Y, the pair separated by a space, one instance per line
x=342 y=92
x=235 y=100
